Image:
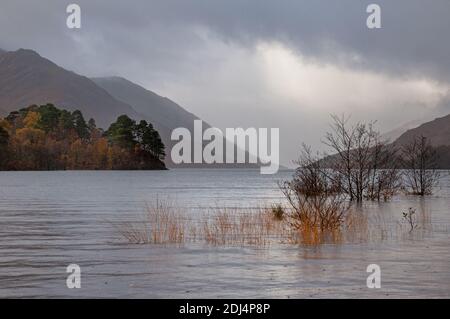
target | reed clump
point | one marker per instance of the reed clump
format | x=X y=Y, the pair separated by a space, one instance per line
x=160 y=225
x=233 y=227
x=165 y=225
x=310 y=220
x=312 y=223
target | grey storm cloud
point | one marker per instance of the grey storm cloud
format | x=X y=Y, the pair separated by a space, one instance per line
x=414 y=37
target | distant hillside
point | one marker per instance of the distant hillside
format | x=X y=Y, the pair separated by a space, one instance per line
x=161 y=109
x=394 y=134
x=163 y=113
x=438 y=131
x=443 y=160
x=26 y=78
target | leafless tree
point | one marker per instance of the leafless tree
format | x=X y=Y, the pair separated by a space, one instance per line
x=385 y=179
x=364 y=163
x=361 y=166
x=419 y=160
x=341 y=141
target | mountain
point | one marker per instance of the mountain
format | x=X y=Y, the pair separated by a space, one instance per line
x=443 y=158
x=161 y=109
x=394 y=134
x=27 y=78
x=163 y=113
x=438 y=131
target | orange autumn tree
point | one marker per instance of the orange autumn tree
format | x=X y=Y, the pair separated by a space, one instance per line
x=47 y=138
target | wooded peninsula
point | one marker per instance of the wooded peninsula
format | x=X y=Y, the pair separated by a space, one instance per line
x=48 y=138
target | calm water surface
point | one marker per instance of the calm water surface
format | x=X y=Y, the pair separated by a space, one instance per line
x=49 y=220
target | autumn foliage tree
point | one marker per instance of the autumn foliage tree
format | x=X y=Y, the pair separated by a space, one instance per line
x=47 y=138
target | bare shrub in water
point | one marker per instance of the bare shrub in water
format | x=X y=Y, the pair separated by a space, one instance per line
x=419 y=159
x=314 y=217
x=363 y=165
x=311 y=178
x=410 y=218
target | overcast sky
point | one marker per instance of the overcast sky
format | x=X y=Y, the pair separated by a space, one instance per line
x=256 y=63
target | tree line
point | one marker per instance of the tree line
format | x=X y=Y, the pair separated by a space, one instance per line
x=48 y=138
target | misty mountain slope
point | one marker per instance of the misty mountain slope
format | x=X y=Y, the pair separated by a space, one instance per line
x=395 y=133
x=27 y=78
x=161 y=109
x=163 y=113
x=438 y=131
